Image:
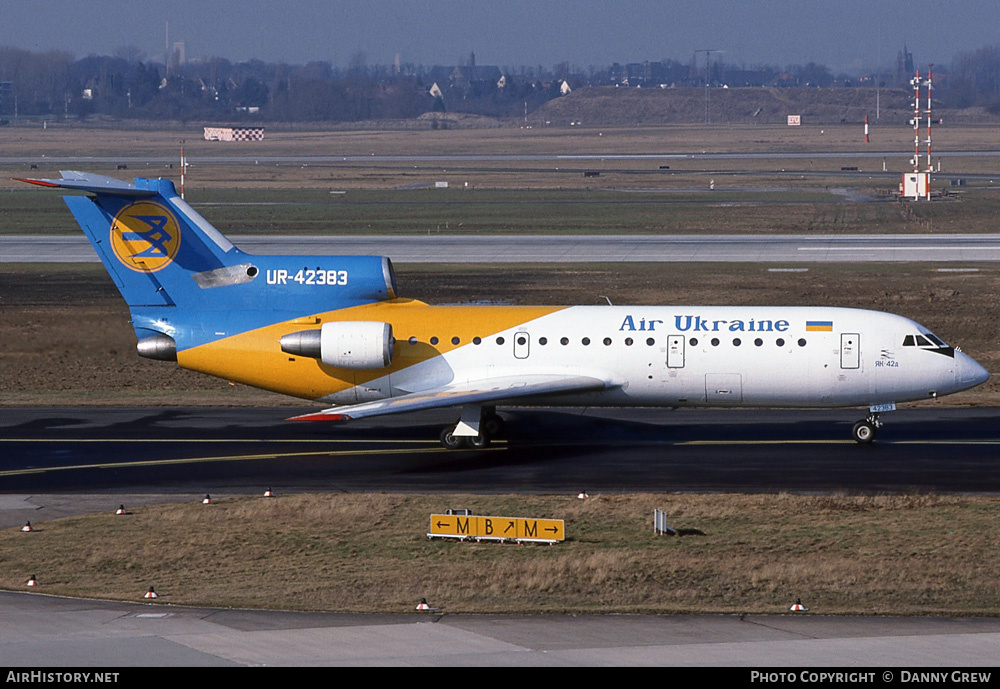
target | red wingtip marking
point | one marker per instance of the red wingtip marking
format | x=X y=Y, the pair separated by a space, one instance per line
x=39 y=182
x=321 y=417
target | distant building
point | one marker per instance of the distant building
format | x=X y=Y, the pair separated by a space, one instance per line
x=648 y=73
x=904 y=66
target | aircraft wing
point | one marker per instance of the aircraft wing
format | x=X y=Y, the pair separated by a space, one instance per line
x=472 y=392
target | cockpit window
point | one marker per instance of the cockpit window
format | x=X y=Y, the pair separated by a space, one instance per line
x=923 y=340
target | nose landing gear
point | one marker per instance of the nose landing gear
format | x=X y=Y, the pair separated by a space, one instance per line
x=864 y=431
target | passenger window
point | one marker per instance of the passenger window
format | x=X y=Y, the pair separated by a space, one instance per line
x=607 y=341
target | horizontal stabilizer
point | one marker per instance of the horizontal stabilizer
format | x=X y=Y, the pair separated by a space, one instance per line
x=491 y=390
x=90 y=182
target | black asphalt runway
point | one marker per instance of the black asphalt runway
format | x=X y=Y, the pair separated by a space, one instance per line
x=546 y=450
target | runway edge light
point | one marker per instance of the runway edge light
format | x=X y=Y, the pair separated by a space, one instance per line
x=27 y=527
x=32 y=581
x=150 y=593
x=798 y=607
x=121 y=510
x=207 y=500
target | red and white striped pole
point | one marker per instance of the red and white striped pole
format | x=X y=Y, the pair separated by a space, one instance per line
x=929 y=131
x=916 y=122
x=866 y=129
x=183 y=165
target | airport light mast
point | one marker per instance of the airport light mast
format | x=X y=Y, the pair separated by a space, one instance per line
x=917 y=184
x=708 y=74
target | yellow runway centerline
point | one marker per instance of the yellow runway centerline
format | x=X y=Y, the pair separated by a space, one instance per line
x=227 y=458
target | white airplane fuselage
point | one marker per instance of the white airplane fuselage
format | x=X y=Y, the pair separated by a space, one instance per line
x=680 y=356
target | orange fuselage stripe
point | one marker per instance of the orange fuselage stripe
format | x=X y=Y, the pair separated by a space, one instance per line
x=255 y=357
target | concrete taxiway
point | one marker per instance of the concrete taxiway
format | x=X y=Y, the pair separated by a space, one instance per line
x=39 y=631
x=774 y=249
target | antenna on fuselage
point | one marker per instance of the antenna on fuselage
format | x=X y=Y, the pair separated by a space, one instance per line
x=607 y=298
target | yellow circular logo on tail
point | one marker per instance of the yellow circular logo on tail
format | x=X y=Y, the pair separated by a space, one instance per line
x=145 y=236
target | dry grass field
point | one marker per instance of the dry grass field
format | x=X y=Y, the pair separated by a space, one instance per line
x=253 y=164
x=854 y=555
x=321 y=181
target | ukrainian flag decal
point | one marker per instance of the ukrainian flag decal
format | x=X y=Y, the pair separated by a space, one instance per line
x=819 y=326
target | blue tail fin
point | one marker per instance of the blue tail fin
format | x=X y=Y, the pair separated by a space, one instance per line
x=149 y=239
x=172 y=267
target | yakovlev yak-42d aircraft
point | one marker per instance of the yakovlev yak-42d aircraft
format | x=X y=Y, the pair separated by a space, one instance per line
x=333 y=329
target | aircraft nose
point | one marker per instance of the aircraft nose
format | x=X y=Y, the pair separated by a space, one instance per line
x=970 y=373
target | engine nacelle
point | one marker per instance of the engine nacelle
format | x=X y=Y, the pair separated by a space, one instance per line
x=344 y=344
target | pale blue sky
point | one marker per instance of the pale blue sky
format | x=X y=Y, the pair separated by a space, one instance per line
x=844 y=34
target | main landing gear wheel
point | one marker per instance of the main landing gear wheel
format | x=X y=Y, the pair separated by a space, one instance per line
x=480 y=442
x=492 y=426
x=450 y=440
x=864 y=431
x=489 y=429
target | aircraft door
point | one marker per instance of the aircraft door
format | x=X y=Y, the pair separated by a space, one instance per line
x=522 y=345
x=850 y=350
x=675 y=351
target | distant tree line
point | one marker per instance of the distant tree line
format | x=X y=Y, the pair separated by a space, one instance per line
x=974 y=80
x=125 y=86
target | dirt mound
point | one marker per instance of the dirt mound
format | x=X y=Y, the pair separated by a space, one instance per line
x=758 y=105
